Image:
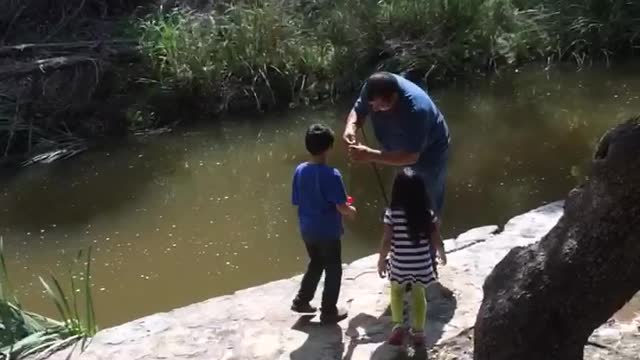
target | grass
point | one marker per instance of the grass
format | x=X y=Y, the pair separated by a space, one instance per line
x=250 y=54
x=24 y=334
x=34 y=138
x=259 y=52
x=286 y=51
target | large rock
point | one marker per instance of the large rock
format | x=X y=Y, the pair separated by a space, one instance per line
x=543 y=301
x=613 y=341
x=256 y=323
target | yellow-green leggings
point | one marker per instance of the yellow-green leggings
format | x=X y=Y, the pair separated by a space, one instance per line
x=418 y=305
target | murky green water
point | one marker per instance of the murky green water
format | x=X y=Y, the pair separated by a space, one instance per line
x=182 y=217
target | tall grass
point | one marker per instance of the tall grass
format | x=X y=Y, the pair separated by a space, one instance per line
x=276 y=53
x=259 y=51
x=24 y=334
x=281 y=51
x=596 y=28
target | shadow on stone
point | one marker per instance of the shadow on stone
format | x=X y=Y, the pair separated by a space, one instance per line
x=387 y=352
x=376 y=330
x=440 y=311
x=323 y=342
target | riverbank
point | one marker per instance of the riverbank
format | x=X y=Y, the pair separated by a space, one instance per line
x=185 y=61
x=256 y=323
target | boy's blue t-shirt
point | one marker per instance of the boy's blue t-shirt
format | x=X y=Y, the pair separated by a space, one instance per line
x=414 y=125
x=316 y=190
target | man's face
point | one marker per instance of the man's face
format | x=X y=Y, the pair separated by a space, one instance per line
x=381 y=104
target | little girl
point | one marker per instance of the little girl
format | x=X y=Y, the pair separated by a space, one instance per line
x=410 y=230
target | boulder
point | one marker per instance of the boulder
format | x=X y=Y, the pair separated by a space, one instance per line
x=543 y=301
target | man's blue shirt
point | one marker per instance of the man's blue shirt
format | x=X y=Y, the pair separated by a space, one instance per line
x=413 y=125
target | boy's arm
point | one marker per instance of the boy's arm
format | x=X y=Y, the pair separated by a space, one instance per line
x=346 y=210
x=294 y=190
x=339 y=195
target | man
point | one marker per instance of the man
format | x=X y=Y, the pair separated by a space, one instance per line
x=410 y=128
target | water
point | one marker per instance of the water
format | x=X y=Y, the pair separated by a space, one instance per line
x=182 y=217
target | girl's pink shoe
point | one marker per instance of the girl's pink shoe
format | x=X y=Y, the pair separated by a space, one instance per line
x=397 y=336
x=418 y=338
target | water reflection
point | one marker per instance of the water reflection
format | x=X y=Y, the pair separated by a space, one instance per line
x=194 y=214
x=68 y=194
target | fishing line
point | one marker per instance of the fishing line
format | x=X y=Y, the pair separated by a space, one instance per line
x=376 y=171
x=407 y=293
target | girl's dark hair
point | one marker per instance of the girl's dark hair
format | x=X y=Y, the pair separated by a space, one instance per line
x=409 y=194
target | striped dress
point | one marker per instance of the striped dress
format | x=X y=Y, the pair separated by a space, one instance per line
x=409 y=262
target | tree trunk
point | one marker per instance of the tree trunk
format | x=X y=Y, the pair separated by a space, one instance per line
x=544 y=301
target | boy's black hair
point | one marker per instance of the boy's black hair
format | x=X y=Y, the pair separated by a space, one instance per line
x=409 y=194
x=319 y=138
x=382 y=85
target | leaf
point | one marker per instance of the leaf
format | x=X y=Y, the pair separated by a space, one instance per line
x=91 y=314
x=56 y=300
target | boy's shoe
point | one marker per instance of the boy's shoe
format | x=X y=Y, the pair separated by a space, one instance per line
x=303 y=308
x=397 y=336
x=418 y=338
x=333 y=317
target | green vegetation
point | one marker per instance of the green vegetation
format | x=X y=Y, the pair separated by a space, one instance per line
x=277 y=52
x=183 y=62
x=23 y=333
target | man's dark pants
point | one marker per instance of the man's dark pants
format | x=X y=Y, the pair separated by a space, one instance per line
x=435 y=177
x=324 y=256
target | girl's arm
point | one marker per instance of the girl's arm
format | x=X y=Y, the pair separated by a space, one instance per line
x=385 y=246
x=436 y=240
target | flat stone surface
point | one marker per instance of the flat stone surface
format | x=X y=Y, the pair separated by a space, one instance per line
x=612 y=341
x=256 y=323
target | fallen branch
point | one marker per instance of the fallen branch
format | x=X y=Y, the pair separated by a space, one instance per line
x=42 y=66
x=20 y=69
x=30 y=49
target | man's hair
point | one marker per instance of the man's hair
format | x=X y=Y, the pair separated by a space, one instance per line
x=319 y=138
x=382 y=85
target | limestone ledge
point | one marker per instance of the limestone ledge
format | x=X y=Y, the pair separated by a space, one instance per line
x=256 y=323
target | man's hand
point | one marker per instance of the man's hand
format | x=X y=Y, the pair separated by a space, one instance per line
x=362 y=153
x=349 y=136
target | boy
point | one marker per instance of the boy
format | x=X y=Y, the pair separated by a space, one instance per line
x=319 y=194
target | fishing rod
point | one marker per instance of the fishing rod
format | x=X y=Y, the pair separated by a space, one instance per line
x=376 y=171
x=406 y=295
